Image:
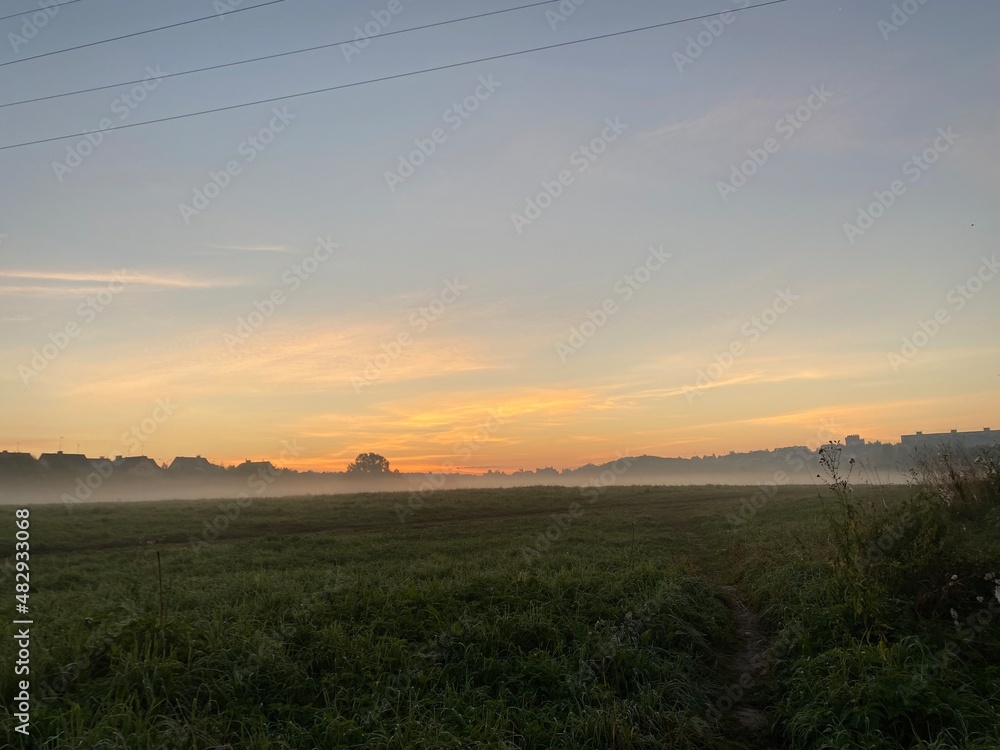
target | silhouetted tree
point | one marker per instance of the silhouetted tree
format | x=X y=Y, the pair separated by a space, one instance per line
x=369 y=464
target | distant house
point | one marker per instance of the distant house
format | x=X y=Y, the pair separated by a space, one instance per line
x=192 y=466
x=18 y=464
x=954 y=438
x=261 y=468
x=853 y=441
x=66 y=463
x=136 y=466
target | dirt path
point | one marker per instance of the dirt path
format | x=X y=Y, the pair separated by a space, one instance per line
x=750 y=666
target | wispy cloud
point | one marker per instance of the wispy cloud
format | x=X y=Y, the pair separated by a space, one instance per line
x=724 y=131
x=742 y=113
x=50 y=291
x=294 y=355
x=215 y=249
x=129 y=276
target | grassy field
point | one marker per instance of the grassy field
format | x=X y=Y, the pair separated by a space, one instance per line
x=620 y=617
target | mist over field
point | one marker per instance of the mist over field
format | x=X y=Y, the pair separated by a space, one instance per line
x=147 y=490
x=139 y=479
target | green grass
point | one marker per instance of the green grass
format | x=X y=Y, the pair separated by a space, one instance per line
x=896 y=615
x=325 y=622
x=522 y=618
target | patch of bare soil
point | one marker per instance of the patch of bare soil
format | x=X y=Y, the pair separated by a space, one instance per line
x=750 y=666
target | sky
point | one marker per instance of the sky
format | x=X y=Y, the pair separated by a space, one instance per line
x=773 y=227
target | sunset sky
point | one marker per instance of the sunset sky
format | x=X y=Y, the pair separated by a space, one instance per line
x=406 y=311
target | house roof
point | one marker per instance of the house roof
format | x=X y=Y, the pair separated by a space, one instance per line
x=192 y=463
x=62 y=460
x=24 y=462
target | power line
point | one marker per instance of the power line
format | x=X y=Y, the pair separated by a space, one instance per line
x=285 y=97
x=42 y=9
x=279 y=54
x=139 y=33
